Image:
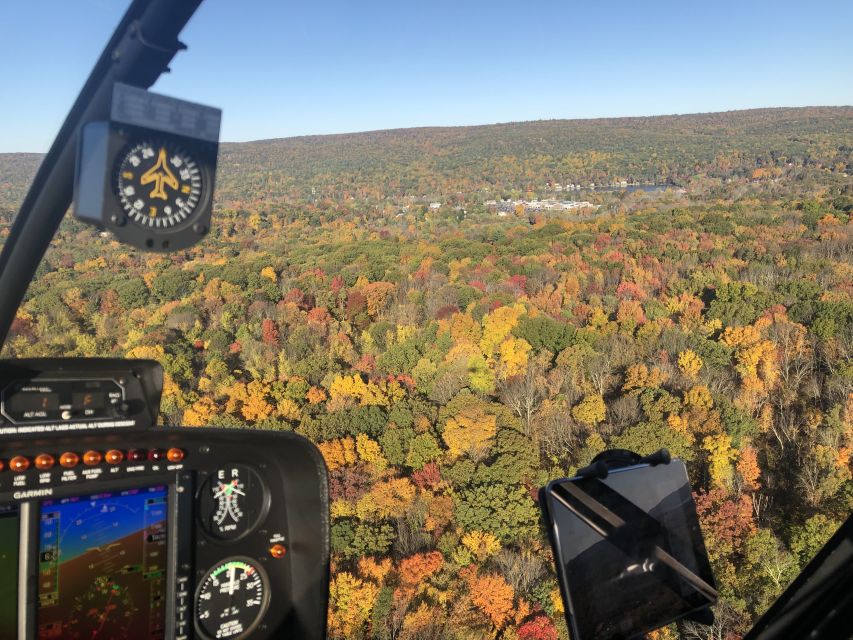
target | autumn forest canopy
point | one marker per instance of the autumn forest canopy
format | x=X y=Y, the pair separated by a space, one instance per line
x=450 y=355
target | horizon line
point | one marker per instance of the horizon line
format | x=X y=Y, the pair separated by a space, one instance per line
x=494 y=124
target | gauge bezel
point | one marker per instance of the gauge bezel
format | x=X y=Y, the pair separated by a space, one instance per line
x=176 y=146
x=265 y=598
x=103 y=147
x=204 y=489
x=125 y=138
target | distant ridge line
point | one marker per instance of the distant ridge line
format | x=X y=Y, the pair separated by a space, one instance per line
x=820 y=109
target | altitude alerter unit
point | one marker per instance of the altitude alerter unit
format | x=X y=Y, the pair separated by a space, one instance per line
x=147 y=175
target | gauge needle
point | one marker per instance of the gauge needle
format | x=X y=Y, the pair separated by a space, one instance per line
x=232 y=581
x=228 y=489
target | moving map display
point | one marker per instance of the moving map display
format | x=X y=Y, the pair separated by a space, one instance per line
x=8 y=570
x=102 y=566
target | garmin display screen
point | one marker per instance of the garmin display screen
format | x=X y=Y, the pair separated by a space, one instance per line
x=102 y=566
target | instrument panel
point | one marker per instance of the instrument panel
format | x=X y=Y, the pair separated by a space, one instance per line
x=156 y=533
x=48 y=395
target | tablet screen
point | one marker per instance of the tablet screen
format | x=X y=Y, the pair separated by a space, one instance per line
x=629 y=550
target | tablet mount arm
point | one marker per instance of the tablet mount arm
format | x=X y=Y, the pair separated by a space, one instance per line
x=612 y=459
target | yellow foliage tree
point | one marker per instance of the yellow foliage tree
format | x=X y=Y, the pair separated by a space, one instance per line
x=255 y=404
x=590 y=411
x=199 y=413
x=737 y=337
x=463 y=329
x=338 y=453
x=482 y=545
x=758 y=369
x=720 y=458
x=374 y=569
x=351 y=602
x=689 y=363
x=470 y=432
x=288 y=409
x=679 y=425
x=386 y=499
x=370 y=452
x=557 y=602
x=639 y=377
x=699 y=397
x=341 y=509
x=497 y=326
x=513 y=357
x=419 y=622
x=269 y=273
x=377 y=294
x=345 y=390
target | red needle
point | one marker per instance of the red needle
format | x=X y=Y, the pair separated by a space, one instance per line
x=104 y=616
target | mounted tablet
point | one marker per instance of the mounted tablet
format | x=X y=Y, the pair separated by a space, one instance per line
x=629 y=552
x=147 y=175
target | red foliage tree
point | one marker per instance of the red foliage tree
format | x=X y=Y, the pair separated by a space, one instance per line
x=366 y=364
x=269 y=332
x=446 y=311
x=539 y=628
x=429 y=477
x=727 y=519
x=349 y=483
x=337 y=284
x=356 y=304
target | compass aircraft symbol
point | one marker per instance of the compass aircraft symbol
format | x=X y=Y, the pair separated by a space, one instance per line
x=160 y=175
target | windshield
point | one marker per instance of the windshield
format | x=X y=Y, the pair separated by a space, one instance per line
x=458 y=314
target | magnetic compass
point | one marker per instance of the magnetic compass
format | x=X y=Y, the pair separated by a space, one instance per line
x=232 y=501
x=158 y=184
x=147 y=174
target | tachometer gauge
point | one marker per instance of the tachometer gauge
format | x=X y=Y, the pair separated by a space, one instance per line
x=231 y=599
x=232 y=501
x=158 y=184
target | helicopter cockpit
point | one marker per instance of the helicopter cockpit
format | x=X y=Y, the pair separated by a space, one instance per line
x=114 y=527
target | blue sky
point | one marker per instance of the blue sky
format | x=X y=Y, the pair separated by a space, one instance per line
x=328 y=66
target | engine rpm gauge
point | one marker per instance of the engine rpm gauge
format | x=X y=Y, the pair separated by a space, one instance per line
x=231 y=599
x=158 y=185
x=232 y=501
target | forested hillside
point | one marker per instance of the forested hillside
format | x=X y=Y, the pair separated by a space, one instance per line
x=449 y=360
